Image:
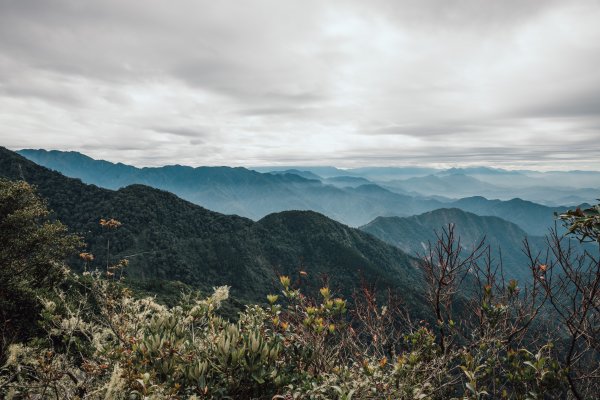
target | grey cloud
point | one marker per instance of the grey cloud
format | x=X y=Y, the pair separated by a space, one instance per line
x=427 y=130
x=339 y=81
x=582 y=105
x=109 y=148
x=181 y=131
x=461 y=14
x=270 y=111
x=477 y=155
x=35 y=91
x=117 y=42
x=238 y=79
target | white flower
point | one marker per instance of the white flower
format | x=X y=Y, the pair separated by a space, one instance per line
x=220 y=294
x=71 y=324
x=14 y=352
x=49 y=305
x=115 y=384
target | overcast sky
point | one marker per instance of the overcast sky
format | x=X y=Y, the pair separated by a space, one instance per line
x=509 y=83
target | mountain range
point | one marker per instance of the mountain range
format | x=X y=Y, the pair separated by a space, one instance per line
x=552 y=188
x=171 y=242
x=506 y=185
x=342 y=194
x=239 y=190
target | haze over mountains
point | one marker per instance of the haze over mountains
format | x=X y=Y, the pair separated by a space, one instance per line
x=414 y=234
x=554 y=188
x=354 y=197
x=171 y=240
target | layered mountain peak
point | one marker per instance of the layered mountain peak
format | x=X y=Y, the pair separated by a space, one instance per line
x=167 y=239
x=344 y=195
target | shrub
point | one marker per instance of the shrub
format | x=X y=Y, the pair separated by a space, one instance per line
x=32 y=253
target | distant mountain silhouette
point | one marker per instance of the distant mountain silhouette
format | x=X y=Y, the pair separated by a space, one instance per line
x=254 y=195
x=303 y=174
x=347 y=181
x=451 y=185
x=238 y=190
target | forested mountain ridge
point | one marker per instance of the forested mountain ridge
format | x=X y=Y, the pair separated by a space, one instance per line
x=535 y=219
x=413 y=234
x=351 y=200
x=237 y=190
x=170 y=239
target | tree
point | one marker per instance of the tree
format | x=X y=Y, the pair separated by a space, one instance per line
x=584 y=224
x=571 y=279
x=32 y=253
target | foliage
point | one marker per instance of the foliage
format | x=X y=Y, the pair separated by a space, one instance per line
x=103 y=343
x=486 y=336
x=571 y=280
x=169 y=239
x=583 y=223
x=32 y=253
x=100 y=341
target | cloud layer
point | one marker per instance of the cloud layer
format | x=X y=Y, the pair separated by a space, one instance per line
x=349 y=83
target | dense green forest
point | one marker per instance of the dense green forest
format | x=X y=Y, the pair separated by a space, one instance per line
x=169 y=241
x=413 y=234
x=326 y=311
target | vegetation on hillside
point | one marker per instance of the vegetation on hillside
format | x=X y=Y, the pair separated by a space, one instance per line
x=95 y=339
x=170 y=242
x=411 y=234
x=32 y=254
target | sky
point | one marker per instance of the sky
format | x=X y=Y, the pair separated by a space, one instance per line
x=510 y=84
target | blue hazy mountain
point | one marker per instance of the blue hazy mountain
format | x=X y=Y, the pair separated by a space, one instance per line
x=303 y=174
x=347 y=181
x=551 y=188
x=449 y=185
x=252 y=194
x=239 y=191
x=534 y=218
x=548 y=189
x=322 y=171
x=412 y=235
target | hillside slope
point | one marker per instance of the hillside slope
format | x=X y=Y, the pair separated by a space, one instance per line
x=412 y=234
x=170 y=239
x=534 y=218
x=238 y=190
x=254 y=195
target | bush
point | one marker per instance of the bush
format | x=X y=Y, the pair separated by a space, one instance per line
x=32 y=253
x=103 y=343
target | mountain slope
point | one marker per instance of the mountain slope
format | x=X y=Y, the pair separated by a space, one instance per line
x=237 y=190
x=534 y=218
x=170 y=239
x=254 y=195
x=451 y=185
x=303 y=174
x=412 y=234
